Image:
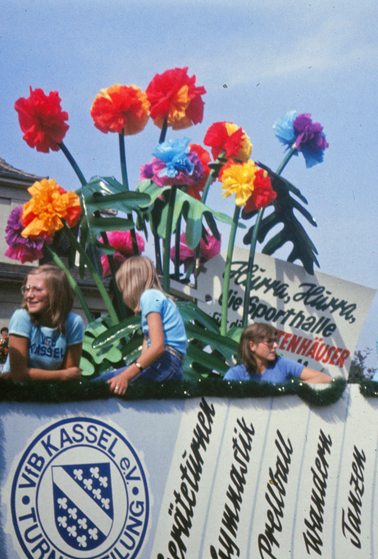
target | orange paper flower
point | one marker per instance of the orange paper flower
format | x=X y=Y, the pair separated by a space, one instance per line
x=228 y=137
x=120 y=108
x=50 y=203
x=174 y=95
x=42 y=120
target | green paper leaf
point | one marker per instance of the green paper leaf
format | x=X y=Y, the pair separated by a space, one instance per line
x=100 y=224
x=123 y=329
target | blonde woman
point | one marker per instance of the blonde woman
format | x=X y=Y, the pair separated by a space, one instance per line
x=259 y=362
x=165 y=340
x=45 y=337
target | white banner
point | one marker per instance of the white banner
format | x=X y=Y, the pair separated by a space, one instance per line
x=207 y=478
x=319 y=317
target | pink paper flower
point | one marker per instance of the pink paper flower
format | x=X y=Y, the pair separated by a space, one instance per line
x=121 y=241
x=207 y=251
x=21 y=249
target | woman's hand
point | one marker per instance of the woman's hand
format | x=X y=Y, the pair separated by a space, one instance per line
x=310 y=376
x=118 y=385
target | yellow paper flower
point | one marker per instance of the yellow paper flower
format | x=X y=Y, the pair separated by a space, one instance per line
x=238 y=179
x=245 y=151
x=50 y=203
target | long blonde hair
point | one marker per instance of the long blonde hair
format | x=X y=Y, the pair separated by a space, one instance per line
x=60 y=294
x=136 y=275
x=255 y=333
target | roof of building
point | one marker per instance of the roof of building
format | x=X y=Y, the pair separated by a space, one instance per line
x=15 y=274
x=9 y=172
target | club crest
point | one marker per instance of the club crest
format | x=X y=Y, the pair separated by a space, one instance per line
x=80 y=492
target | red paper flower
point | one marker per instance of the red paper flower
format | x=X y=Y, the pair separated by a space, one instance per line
x=174 y=95
x=263 y=193
x=204 y=156
x=42 y=120
x=228 y=137
x=121 y=109
x=121 y=241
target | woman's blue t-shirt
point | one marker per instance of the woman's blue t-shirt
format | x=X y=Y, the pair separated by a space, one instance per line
x=278 y=372
x=47 y=346
x=154 y=300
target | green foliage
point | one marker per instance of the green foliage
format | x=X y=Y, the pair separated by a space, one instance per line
x=193 y=388
x=97 y=360
x=107 y=346
x=358 y=371
x=292 y=230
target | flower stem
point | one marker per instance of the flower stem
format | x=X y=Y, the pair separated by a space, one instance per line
x=167 y=240
x=286 y=159
x=227 y=270
x=103 y=235
x=72 y=283
x=122 y=155
x=73 y=163
x=100 y=286
x=210 y=178
x=125 y=182
x=163 y=132
x=208 y=182
x=177 y=249
x=252 y=248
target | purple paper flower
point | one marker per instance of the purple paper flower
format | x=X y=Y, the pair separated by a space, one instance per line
x=24 y=250
x=173 y=164
x=303 y=134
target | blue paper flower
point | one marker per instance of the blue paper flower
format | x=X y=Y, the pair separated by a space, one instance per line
x=174 y=154
x=299 y=132
x=173 y=163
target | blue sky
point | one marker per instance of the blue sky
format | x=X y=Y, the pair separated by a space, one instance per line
x=257 y=60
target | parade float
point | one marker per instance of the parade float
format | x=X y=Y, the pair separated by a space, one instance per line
x=206 y=468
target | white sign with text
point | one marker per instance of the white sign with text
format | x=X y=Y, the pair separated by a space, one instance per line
x=319 y=317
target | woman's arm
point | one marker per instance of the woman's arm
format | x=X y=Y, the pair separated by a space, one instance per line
x=20 y=372
x=148 y=356
x=310 y=376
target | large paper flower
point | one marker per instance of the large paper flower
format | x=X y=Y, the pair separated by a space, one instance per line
x=173 y=164
x=174 y=96
x=121 y=241
x=50 y=203
x=42 y=120
x=228 y=137
x=207 y=251
x=246 y=181
x=303 y=134
x=120 y=108
x=195 y=190
x=24 y=250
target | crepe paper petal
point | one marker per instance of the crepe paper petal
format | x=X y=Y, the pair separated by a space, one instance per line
x=230 y=138
x=173 y=164
x=300 y=132
x=174 y=96
x=121 y=241
x=246 y=181
x=120 y=108
x=42 y=120
x=50 y=203
x=208 y=250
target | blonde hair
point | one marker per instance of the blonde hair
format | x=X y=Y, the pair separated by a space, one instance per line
x=136 y=275
x=255 y=333
x=60 y=295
